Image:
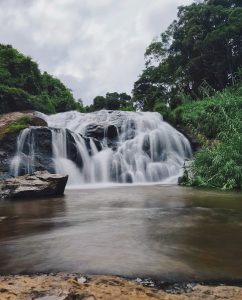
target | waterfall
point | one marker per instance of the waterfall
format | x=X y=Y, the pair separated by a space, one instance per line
x=23 y=162
x=108 y=146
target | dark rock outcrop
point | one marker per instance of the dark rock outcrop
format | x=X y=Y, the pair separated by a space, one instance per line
x=39 y=139
x=8 y=136
x=38 y=184
x=72 y=151
x=100 y=132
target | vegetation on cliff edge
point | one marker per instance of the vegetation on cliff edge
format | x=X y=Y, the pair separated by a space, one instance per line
x=24 y=87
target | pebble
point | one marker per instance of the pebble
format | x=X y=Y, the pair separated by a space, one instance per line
x=82 y=280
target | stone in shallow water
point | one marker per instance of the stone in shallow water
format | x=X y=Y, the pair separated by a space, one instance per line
x=38 y=184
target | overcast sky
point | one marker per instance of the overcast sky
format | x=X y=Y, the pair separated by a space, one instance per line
x=93 y=46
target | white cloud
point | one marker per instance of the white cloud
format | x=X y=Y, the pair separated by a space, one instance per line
x=94 y=46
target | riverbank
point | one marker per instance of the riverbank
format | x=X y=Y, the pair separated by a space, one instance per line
x=63 y=286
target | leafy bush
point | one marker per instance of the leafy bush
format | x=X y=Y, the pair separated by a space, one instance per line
x=163 y=109
x=14 y=99
x=219 y=167
x=220 y=164
x=208 y=116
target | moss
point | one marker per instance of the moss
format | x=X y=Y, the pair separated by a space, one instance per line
x=20 y=124
x=14 y=124
x=16 y=127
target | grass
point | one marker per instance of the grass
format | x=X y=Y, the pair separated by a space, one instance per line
x=219 y=121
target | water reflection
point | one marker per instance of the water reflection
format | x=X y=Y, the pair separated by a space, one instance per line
x=166 y=232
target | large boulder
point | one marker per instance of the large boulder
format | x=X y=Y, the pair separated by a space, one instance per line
x=38 y=184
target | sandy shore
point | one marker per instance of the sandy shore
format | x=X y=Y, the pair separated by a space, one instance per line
x=75 y=287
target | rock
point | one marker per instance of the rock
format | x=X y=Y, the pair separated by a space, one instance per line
x=80 y=296
x=191 y=138
x=8 y=137
x=82 y=280
x=9 y=118
x=101 y=132
x=40 y=183
x=41 y=139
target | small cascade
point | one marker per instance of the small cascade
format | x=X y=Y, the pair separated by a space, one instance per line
x=23 y=162
x=61 y=162
x=107 y=146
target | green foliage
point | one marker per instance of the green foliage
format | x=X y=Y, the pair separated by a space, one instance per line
x=23 y=87
x=207 y=116
x=14 y=99
x=218 y=164
x=16 y=127
x=43 y=103
x=21 y=123
x=198 y=54
x=163 y=109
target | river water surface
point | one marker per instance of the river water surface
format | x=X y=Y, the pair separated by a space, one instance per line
x=168 y=232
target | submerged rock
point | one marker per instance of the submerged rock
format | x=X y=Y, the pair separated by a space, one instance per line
x=38 y=184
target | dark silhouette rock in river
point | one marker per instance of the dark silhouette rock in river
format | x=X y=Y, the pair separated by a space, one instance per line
x=38 y=184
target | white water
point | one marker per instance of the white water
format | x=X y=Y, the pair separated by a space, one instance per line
x=21 y=159
x=146 y=149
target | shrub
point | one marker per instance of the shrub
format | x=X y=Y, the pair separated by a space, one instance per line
x=219 y=164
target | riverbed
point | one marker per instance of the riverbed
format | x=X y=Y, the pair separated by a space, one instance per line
x=162 y=231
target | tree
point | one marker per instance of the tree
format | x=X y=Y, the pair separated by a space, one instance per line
x=99 y=103
x=23 y=86
x=112 y=101
x=203 y=45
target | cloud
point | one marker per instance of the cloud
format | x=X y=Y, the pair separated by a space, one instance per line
x=93 y=46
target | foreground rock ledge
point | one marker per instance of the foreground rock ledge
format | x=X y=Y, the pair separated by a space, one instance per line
x=38 y=184
x=74 y=287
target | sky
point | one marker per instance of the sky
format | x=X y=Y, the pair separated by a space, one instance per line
x=92 y=46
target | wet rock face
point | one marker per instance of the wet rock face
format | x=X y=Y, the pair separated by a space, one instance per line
x=72 y=151
x=8 y=138
x=101 y=132
x=7 y=150
x=195 y=145
x=34 y=185
x=37 y=151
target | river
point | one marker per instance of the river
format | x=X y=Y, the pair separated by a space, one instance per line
x=169 y=232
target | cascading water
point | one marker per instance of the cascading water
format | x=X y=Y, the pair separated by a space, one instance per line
x=109 y=146
x=21 y=160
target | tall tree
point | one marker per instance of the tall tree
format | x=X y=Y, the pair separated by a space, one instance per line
x=203 y=45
